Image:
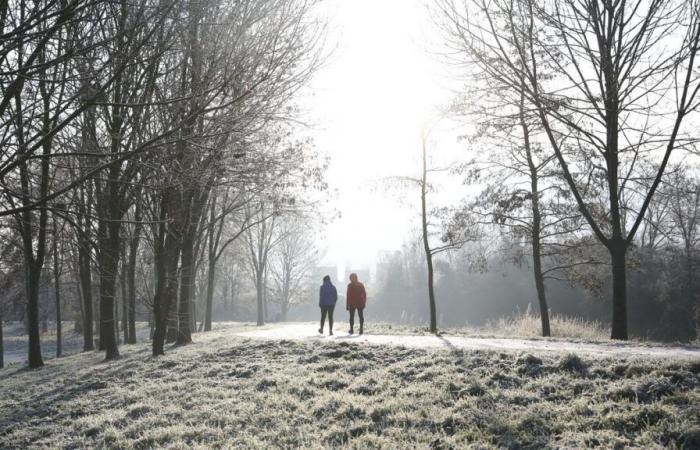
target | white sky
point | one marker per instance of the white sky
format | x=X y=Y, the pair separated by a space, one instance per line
x=370 y=103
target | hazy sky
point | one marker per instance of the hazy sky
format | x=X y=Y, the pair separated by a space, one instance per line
x=370 y=104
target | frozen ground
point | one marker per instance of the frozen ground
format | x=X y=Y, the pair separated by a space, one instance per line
x=15 y=341
x=292 y=389
x=309 y=331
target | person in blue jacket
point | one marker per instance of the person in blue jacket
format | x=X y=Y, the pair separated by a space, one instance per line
x=327 y=297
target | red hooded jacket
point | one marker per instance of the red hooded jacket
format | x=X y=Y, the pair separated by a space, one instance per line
x=357 y=297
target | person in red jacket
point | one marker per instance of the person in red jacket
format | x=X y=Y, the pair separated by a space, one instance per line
x=356 y=299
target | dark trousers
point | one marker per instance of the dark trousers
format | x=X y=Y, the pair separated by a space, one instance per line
x=327 y=310
x=352 y=318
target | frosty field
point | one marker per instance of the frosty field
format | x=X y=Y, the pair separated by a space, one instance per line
x=227 y=391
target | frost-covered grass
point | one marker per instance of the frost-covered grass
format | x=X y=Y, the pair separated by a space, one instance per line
x=529 y=325
x=16 y=340
x=227 y=391
x=525 y=325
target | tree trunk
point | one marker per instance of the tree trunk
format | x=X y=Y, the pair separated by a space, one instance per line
x=85 y=203
x=426 y=242
x=536 y=222
x=539 y=285
x=173 y=283
x=431 y=292
x=108 y=268
x=131 y=272
x=166 y=255
x=116 y=307
x=211 y=262
x=108 y=259
x=171 y=296
x=86 y=289
x=618 y=255
x=211 y=274
x=259 y=290
x=171 y=336
x=57 y=292
x=266 y=312
x=131 y=296
x=80 y=311
x=33 y=276
x=2 y=348
x=125 y=308
x=184 y=332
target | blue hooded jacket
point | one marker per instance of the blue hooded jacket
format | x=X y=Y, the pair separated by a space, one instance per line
x=328 y=295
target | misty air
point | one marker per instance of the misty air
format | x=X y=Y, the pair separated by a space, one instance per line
x=388 y=224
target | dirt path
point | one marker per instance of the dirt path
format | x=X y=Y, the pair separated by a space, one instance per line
x=297 y=331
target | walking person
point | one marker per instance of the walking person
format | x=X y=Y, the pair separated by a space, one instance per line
x=327 y=297
x=356 y=299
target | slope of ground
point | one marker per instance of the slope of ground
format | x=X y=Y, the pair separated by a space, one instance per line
x=230 y=391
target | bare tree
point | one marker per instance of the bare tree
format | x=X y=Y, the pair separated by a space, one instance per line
x=450 y=238
x=623 y=82
x=260 y=240
x=293 y=261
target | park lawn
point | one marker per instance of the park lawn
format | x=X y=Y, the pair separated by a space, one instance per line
x=225 y=391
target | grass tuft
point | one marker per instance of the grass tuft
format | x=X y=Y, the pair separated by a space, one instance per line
x=573 y=364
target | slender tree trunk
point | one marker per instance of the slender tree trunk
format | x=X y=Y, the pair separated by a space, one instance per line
x=173 y=283
x=171 y=294
x=131 y=294
x=89 y=144
x=211 y=263
x=539 y=285
x=160 y=304
x=211 y=274
x=86 y=289
x=131 y=271
x=80 y=311
x=57 y=292
x=426 y=243
x=536 y=223
x=184 y=335
x=116 y=307
x=689 y=273
x=2 y=348
x=264 y=295
x=125 y=301
x=259 y=289
x=34 y=263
